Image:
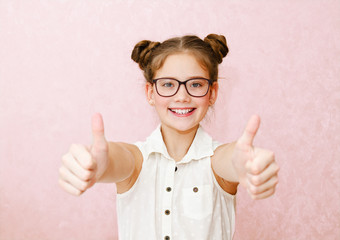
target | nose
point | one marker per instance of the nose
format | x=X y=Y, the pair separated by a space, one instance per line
x=182 y=94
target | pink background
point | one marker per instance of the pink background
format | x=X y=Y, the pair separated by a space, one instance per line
x=63 y=60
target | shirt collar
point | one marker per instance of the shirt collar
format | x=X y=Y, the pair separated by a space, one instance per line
x=201 y=147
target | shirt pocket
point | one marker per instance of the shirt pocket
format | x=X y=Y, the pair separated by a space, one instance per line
x=197 y=201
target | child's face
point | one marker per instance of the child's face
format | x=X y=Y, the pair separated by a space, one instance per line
x=181 y=112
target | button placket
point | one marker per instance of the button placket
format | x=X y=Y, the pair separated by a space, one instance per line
x=167 y=200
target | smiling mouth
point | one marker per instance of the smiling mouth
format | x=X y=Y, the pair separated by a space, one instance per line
x=182 y=111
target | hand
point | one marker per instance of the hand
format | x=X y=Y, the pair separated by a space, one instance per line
x=256 y=167
x=83 y=166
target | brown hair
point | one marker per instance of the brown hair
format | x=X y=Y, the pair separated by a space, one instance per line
x=209 y=52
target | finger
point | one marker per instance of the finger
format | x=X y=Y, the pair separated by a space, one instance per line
x=73 y=165
x=259 y=189
x=249 y=133
x=69 y=188
x=270 y=172
x=82 y=155
x=73 y=180
x=98 y=129
x=263 y=195
x=263 y=158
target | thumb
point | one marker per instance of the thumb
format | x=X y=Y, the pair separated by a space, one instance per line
x=249 y=133
x=98 y=129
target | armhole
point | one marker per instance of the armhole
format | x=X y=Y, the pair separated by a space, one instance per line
x=221 y=183
x=128 y=184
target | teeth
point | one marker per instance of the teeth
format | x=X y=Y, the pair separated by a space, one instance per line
x=181 y=111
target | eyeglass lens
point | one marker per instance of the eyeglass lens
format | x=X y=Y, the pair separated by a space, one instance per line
x=195 y=87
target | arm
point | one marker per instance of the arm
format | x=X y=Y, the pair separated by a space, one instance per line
x=121 y=163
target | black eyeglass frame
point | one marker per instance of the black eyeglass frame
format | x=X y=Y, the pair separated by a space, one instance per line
x=185 y=85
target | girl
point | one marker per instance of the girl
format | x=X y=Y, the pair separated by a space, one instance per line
x=179 y=183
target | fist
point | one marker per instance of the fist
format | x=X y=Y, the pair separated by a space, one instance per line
x=256 y=167
x=83 y=166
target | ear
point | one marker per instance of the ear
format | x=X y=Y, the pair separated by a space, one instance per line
x=213 y=93
x=149 y=93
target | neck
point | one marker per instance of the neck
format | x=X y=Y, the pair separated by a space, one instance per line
x=178 y=142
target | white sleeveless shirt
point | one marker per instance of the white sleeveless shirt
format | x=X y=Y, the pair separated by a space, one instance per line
x=176 y=201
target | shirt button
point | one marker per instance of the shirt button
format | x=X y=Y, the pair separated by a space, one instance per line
x=175 y=169
x=167 y=212
x=167 y=238
x=168 y=189
x=195 y=189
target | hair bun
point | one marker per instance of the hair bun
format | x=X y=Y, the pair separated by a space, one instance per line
x=141 y=52
x=218 y=43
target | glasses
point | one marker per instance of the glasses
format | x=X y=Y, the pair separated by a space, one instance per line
x=196 y=87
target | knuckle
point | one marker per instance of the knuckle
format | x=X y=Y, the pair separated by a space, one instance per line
x=255 y=169
x=61 y=171
x=73 y=191
x=270 y=192
x=82 y=187
x=274 y=186
x=248 y=167
x=65 y=158
x=86 y=160
x=89 y=163
x=256 y=180
x=277 y=168
x=253 y=190
x=78 y=193
x=86 y=176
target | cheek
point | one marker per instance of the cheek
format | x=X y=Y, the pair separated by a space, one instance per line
x=161 y=102
x=203 y=102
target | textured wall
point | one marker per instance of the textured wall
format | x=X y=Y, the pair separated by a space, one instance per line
x=62 y=60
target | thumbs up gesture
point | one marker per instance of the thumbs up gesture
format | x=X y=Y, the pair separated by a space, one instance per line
x=256 y=168
x=82 y=166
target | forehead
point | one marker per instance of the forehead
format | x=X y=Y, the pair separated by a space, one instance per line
x=181 y=66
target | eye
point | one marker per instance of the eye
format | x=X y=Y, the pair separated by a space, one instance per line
x=167 y=84
x=196 y=85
